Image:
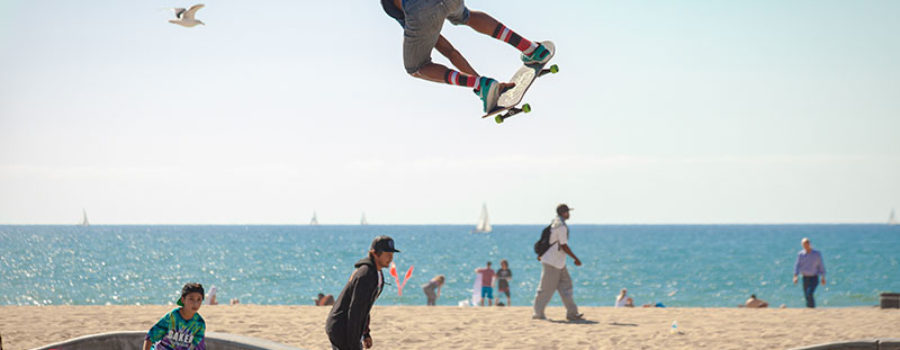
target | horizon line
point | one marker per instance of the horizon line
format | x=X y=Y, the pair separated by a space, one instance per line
x=469 y=224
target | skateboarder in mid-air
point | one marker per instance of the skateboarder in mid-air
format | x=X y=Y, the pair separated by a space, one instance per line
x=422 y=21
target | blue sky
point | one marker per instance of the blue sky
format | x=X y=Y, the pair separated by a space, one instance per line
x=684 y=112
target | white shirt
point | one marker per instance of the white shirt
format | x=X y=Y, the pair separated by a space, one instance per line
x=620 y=302
x=380 y=280
x=559 y=235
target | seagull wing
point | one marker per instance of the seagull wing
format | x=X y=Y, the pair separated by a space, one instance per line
x=190 y=12
x=178 y=11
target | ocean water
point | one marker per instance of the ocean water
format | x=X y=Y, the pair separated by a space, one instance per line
x=678 y=265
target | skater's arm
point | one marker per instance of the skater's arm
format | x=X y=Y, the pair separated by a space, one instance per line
x=445 y=48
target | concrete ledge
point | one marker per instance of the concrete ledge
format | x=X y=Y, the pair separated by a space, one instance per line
x=868 y=344
x=132 y=340
x=889 y=344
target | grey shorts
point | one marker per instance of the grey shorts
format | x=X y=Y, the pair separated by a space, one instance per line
x=424 y=20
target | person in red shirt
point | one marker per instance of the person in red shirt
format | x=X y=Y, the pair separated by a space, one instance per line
x=487 y=279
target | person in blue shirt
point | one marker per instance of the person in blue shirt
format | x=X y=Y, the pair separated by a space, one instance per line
x=422 y=21
x=811 y=266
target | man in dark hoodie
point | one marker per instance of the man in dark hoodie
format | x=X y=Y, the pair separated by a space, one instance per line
x=347 y=325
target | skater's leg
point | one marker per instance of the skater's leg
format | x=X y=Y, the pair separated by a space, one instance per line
x=487 y=25
x=437 y=72
x=420 y=37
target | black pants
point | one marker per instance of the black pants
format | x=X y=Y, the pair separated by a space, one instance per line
x=809 y=287
x=338 y=343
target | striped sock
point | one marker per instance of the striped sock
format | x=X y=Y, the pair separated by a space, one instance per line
x=510 y=37
x=453 y=77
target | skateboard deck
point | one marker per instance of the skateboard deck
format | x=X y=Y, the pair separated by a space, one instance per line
x=507 y=103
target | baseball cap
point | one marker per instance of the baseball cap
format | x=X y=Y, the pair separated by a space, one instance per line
x=383 y=244
x=562 y=208
x=191 y=288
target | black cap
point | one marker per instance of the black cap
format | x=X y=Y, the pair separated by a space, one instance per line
x=562 y=208
x=191 y=288
x=383 y=244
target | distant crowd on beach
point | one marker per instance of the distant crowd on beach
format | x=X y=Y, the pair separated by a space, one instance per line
x=348 y=325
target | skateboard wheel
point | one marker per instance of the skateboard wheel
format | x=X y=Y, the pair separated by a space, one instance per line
x=499 y=119
x=526 y=108
x=554 y=69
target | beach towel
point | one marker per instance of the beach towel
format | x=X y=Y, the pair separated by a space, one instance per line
x=476 y=290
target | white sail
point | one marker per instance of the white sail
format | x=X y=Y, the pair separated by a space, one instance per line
x=314 y=220
x=484 y=222
x=84 y=220
x=893 y=219
x=363 y=221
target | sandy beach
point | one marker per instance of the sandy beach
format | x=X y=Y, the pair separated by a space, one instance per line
x=420 y=327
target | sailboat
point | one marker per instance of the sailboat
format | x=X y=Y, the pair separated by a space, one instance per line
x=363 y=221
x=484 y=223
x=314 y=220
x=893 y=219
x=84 y=220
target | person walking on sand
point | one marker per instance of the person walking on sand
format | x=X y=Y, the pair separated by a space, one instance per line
x=504 y=276
x=347 y=324
x=422 y=21
x=487 y=279
x=432 y=289
x=811 y=266
x=555 y=276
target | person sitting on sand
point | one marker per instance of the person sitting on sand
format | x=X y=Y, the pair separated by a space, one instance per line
x=629 y=302
x=433 y=289
x=183 y=327
x=654 y=305
x=621 y=298
x=324 y=300
x=211 y=297
x=754 y=303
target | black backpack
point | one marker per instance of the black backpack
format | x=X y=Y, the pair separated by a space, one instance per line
x=543 y=244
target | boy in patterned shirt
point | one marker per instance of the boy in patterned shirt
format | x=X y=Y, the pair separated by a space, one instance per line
x=182 y=328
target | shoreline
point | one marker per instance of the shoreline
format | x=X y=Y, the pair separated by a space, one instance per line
x=410 y=327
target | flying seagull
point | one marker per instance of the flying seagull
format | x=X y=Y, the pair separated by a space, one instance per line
x=186 y=17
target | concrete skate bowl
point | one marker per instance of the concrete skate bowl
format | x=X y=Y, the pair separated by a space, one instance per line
x=866 y=344
x=133 y=340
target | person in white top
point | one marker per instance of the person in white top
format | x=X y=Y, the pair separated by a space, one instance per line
x=554 y=276
x=622 y=299
x=211 y=297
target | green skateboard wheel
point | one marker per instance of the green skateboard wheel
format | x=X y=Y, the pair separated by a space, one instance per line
x=526 y=108
x=499 y=119
x=554 y=69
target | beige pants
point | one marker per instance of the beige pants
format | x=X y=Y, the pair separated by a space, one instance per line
x=552 y=280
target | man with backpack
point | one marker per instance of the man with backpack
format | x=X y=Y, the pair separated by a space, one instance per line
x=552 y=250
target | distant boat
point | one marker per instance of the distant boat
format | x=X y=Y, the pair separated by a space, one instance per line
x=363 y=221
x=893 y=219
x=314 y=220
x=484 y=222
x=84 y=220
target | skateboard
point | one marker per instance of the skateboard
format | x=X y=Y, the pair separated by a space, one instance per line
x=507 y=103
